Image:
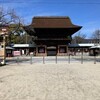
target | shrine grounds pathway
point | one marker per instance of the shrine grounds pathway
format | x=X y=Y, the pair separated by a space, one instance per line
x=50 y=81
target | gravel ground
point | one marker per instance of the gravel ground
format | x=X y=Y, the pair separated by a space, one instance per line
x=50 y=82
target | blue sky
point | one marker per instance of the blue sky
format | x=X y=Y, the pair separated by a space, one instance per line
x=82 y=12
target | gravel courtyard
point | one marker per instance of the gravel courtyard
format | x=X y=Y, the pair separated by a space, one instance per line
x=50 y=82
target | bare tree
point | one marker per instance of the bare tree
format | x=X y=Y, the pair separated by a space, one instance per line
x=78 y=38
x=13 y=21
x=96 y=34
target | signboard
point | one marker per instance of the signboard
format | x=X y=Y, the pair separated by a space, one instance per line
x=16 y=53
x=1 y=52
x=4 y=30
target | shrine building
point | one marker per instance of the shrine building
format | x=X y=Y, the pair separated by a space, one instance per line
x=52 y=35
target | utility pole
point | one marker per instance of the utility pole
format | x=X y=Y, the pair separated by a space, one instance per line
x=4 y=33
x=4 y=30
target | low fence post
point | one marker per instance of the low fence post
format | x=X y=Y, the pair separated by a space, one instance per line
x=31 y=59
x=43 y=60
x=94 y=59
x=17 y=60
x=56 y=59
x=69 y=58
x=82 y=56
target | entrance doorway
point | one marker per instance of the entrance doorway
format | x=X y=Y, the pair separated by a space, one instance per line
x=51 y=51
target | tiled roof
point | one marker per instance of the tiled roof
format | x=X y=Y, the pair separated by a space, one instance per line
x=53 y=22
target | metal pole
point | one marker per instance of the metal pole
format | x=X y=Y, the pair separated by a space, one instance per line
x=31 y=60
x=68 y=55
x=69 y=58
x=94 y=59
x=56 y=59
x=17 y=60
x=43 y=60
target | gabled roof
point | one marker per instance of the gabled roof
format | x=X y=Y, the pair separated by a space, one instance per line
x=95 y=47
x=52 y=22
x=24 y=45
x=82 y=45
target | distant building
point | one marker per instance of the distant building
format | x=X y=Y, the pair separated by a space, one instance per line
x=24 y=48
x=95 y=41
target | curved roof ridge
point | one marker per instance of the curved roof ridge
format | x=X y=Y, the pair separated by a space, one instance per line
x=52 y=22
x=51 y=17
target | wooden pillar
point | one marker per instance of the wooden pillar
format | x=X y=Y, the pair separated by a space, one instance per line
x=4 y=50
x=45 y=50
x=58 y=50
x=36 y=51
x=67 y=50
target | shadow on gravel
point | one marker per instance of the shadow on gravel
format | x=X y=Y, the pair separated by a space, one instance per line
x=18 y=60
